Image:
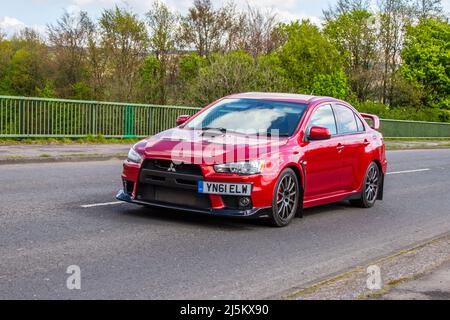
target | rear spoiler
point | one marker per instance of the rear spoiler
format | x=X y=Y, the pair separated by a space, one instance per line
x=374 y=121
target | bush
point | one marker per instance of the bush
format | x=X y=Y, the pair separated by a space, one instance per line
x=404 y=113
x=333 y=85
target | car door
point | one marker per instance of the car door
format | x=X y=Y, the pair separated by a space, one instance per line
x=353 y=138
x=322 y=158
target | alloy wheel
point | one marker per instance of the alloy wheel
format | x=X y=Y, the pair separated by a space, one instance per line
x=286 y=198
x=372 y=184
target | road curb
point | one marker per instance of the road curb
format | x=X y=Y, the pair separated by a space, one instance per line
x=399 y=267
x=86 y=158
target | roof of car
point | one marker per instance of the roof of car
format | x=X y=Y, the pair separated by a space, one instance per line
x=280 y=96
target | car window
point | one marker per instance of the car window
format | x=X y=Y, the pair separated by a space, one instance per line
x=247 y=115
x=323 y=117
x=359 y=124
x=345 y=117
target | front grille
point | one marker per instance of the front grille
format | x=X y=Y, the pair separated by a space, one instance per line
x=161 y=181
x=166 y=165
x=167 y=195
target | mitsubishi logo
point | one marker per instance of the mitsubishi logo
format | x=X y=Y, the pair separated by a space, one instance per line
x=172 y=168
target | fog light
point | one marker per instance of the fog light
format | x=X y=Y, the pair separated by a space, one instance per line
x=244 y=202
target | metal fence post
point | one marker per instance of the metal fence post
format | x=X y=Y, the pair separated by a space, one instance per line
x=22 y=117
x=94 y=119
x=129 y=122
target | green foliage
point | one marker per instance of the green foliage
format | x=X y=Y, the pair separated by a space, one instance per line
x=149 y=83
x=355 y=57
x=271 y=77
x=402 y=113
x=355 y=37
x=236 y=72
x=190 y=65
x=226 y=74
x=426 y=63
x=353 y=34
x=307 y=54
x=81 y=90
x=125 y=39
x=333 y=85
x=6 y=51
x=48 y=91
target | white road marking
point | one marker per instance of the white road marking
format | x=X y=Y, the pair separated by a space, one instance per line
x=102 y=204
x=409 y=171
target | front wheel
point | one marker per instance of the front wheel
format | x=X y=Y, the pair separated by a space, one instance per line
x=285 y=199
x=370 y=189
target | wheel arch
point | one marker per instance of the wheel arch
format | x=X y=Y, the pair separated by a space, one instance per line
x=301 y=176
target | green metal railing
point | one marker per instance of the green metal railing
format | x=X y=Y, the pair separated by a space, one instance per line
x=36 y=117
x=22 y=117
x=414 y=129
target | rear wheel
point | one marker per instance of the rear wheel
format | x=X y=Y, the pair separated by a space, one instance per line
x=370 y=189
x=285 y=199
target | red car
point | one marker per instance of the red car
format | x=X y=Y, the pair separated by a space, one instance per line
x=260 y=154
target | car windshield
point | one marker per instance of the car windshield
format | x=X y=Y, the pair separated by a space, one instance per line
x=250 y=116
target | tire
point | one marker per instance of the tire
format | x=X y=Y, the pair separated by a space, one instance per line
x=371 y=188
x=285 y=200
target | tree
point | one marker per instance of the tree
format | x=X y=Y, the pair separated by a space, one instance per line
x=428 y=8
x=426 y=57
x=6 y=51
x=27 y=64
x=346 y=6
x=190 y=65
x=97 y=64
x=271 y=77
x=69 y=39
x=234 y=72
x=394 y=16
x=163 y=25
x=354 y=34
x=125 y=40
x=333 y=85
x=150 y=72
x=259 y=37
x=205 y=28
x=229 y=73
x=306 y=54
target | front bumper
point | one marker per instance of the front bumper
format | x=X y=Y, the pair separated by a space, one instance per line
x=252 y=213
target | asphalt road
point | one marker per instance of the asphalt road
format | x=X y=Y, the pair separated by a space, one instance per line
x=131 y=252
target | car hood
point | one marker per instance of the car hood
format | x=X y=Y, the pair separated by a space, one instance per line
x=210 y=147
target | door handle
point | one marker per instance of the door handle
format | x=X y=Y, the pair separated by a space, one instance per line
x=366 y=142
x=340 y=147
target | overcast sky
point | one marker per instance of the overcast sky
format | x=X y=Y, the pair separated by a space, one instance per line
x=16 y=14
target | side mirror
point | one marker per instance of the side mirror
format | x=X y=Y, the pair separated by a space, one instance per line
x=319 y=133
x=182 y=119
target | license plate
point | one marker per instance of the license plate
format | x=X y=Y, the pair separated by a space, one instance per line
x=237 y=189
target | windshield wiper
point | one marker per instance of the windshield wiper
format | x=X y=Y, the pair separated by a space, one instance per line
x=269 y=134
x=212 y=129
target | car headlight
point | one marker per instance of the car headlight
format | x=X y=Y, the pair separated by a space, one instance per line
x=133 y=156
x=242 y=168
